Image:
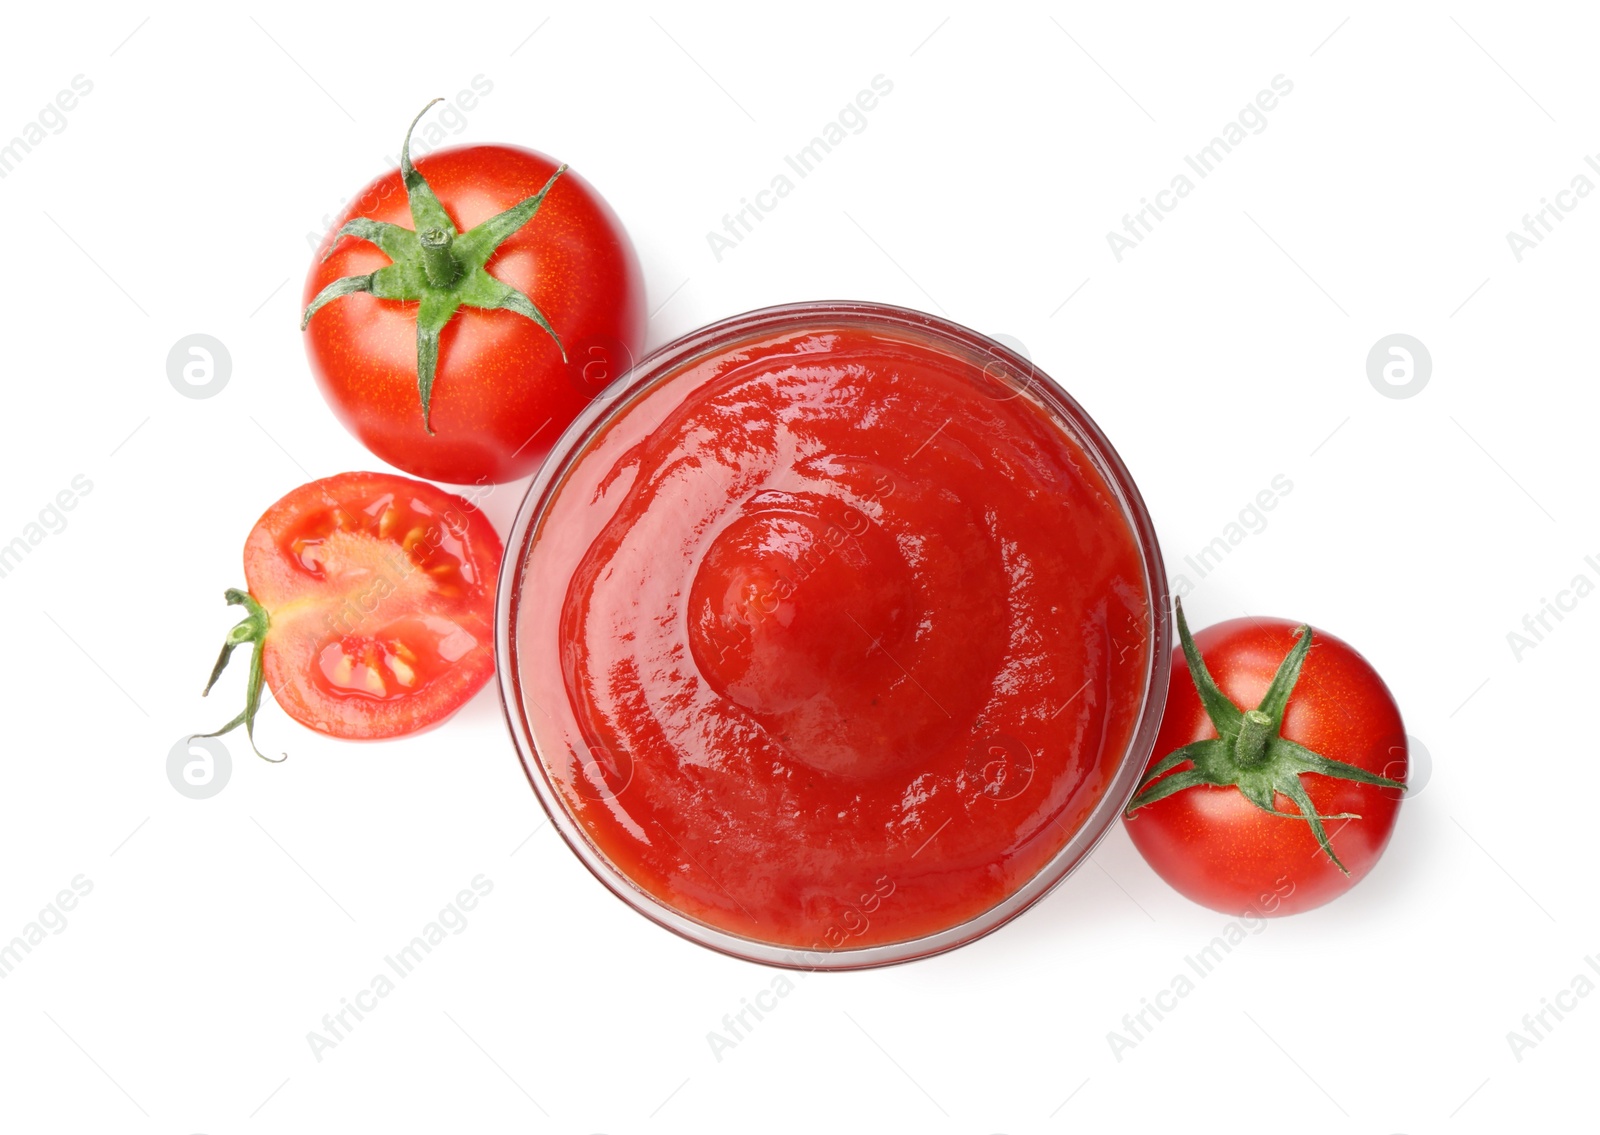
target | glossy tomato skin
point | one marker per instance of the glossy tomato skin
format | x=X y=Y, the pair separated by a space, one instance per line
x=395 y=577
x=1220 y=850
x=502 y=394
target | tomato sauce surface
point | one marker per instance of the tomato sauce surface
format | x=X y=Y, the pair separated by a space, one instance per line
x=832 y=638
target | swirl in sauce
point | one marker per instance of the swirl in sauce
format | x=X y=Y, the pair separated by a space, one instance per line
x=832 y=640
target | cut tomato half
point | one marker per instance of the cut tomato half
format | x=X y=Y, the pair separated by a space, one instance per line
x=370 y=604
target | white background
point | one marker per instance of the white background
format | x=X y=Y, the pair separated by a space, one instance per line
x=1229 y=347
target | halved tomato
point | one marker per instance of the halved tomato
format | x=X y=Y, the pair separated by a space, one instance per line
x=370 y=604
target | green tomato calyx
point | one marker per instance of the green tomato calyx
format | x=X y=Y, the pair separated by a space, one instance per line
x=436 y=267
x=251 y=629
x=1249 y=751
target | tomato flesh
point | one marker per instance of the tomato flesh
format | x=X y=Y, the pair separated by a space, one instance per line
x=380 y=596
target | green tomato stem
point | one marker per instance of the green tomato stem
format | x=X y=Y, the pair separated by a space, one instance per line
x=1255 y=730
x=438 y=261
x=251 y=630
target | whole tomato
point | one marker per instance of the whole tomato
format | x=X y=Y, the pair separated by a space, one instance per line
x=467 y=307
x=1280 y=808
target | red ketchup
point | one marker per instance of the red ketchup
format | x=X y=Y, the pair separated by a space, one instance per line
x=831 y=639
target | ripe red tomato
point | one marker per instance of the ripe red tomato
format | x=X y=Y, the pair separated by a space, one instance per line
x=1199 y=818
x=370 y=605
x=465 y=334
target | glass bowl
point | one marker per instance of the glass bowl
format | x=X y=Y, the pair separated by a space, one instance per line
x=528 y=624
